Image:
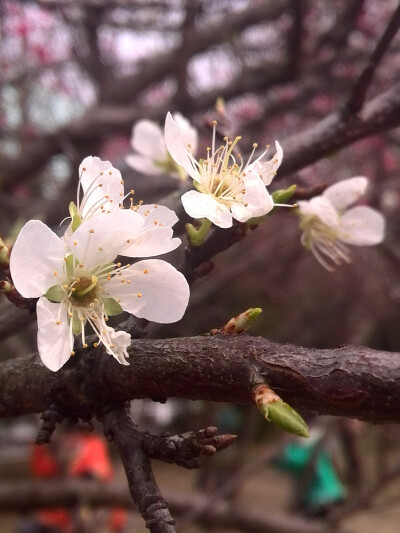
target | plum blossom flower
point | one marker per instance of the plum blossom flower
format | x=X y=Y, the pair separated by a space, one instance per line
x=152 y=156
x=226 y=189
x=79 y=283
x=103 y=192
x=329 y=227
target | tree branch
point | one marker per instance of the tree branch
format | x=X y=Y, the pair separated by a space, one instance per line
x=358 y=94
x=349 y=381
x=31 y=495
x=120 y=427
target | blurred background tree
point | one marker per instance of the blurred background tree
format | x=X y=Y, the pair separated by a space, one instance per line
x=77 y=74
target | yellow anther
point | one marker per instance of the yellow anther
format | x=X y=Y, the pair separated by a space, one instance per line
x=75 y=243
x=58 y=322
x=91 y=231
x=85 y=345
x=84 y=168
x=100 y=248
x=72 y=353
x=55 y=273
x=139 y=295
x=95 y=344
x=145 y=271
x=214 y=122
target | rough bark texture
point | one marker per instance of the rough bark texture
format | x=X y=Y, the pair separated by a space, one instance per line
x=348 y=381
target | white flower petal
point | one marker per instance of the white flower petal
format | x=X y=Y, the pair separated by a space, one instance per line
x=256 y=200
x=199 y=205
x=120 y=341
x=99 y=180
x=156 y=235
x=144 y=165
x=346 y=192
x=188 y=132
x=36 y=255
x=362 y=226
x=53 y=339
x=152 y=242
x=148 y=140
x=177 y=147
x=320 y=207
x=157 y=291
x=159 y=213
x=267 y=170
x=100 y=239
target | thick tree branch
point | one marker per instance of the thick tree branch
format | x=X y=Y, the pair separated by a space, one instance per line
x=349 y=381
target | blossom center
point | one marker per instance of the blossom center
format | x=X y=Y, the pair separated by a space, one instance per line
x=84 y=291
x=324 y=242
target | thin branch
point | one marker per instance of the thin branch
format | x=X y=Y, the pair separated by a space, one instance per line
x=120 y=427
x=360 y=89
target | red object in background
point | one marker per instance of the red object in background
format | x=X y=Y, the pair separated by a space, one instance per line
x=81 y=455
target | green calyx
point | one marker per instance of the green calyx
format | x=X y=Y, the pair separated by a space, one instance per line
x=75 y=216
x=196 y=236
x=112 y=307
x=55 y=293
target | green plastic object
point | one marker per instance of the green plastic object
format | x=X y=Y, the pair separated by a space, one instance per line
x=325 y=487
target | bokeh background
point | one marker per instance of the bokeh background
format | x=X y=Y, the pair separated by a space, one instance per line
x=76 y=75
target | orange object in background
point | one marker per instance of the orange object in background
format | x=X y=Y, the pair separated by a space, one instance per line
x=77 y=454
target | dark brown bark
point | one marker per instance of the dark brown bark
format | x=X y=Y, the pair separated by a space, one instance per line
x=348 y=381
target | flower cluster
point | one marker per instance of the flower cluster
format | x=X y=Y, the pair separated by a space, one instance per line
x=77 y=278
x=329 y=227
x=227 y=188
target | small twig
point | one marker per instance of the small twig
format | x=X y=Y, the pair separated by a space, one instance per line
x=119 y=426
x=50 y=418
x=11 y=293
x=197 y=261
x=359 y=92
x=182 y=449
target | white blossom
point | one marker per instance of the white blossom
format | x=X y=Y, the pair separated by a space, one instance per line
x=226 y=189
x=103 y=192
x=79 y=283
x=151 y=155
x=329 y=227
